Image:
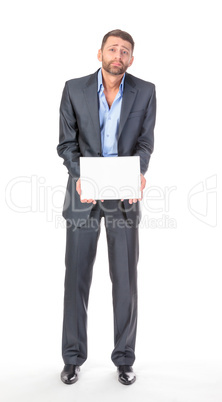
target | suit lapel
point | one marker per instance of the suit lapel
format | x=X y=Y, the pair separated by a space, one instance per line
x=91 y=97
x=129 y=96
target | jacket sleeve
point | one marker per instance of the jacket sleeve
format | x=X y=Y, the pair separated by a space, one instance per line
x=68 y=147
x=145 y=143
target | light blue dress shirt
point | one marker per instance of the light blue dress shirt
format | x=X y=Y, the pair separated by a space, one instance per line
x=109 y=118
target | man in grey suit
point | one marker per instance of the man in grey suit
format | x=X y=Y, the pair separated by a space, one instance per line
x=108 y=113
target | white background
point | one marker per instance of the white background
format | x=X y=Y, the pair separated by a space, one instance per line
x=179 y=354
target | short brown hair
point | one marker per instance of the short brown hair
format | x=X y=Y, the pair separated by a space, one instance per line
x=118 y=34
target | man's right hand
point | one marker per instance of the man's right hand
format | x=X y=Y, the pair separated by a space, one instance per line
x=78 y=189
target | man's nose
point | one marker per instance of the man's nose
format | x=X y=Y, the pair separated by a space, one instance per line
x=118 y=54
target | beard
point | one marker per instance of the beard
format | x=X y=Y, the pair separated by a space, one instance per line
x=114 y=70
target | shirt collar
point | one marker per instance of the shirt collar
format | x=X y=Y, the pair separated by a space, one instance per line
x=100 y=83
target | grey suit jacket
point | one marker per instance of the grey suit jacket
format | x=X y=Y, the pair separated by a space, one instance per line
x=80 y=133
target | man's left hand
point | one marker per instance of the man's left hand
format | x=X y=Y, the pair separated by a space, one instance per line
x=143 y=185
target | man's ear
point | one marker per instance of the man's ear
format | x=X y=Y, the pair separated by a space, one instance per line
x=131 y=61
x=99 y=55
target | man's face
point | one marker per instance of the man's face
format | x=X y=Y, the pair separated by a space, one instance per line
x=116 y=56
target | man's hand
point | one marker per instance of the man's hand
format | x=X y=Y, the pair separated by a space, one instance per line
x=143 y=184
x=131 y=201
x=78 y=189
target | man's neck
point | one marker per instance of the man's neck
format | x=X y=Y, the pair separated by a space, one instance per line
x=111 y=82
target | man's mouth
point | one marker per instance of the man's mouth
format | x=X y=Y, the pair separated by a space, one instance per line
x=116 y=64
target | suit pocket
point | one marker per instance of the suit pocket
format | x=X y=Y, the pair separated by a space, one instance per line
x=138 y=113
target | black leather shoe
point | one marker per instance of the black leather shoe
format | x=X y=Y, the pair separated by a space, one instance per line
x=126 y=375
x=69 y=375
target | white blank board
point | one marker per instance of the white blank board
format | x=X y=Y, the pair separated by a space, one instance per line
x=110 y=178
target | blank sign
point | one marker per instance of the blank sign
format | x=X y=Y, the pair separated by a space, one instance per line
x=110 y=178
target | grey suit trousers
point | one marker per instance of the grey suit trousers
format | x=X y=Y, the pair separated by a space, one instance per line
x=123 y=252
